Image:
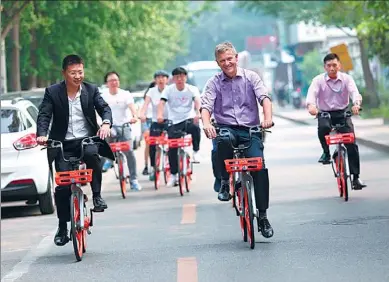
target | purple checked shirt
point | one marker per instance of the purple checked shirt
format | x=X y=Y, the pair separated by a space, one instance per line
x=234 y=101
x=332 y=94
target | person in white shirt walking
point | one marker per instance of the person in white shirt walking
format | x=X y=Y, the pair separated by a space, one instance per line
x=183 y=102
x=152 y=98
x=119 y=101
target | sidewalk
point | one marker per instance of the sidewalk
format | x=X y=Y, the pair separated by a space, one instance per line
x=372 y=133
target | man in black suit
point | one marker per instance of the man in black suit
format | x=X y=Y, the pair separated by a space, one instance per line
x=72 y=104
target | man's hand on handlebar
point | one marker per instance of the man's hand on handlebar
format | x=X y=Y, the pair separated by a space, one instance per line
x=312 y=109
x=41 y=140
x=355 y=109
x=267 y=124
x=209 y=131
x=133 y=120
x=104 y=131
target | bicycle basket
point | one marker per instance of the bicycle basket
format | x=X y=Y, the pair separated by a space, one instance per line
x=120 y=146
x=345 y=138
x=64 y=178
x=246 y=164
x=180 y=142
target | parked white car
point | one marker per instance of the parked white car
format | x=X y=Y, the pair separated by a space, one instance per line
x=25 y=174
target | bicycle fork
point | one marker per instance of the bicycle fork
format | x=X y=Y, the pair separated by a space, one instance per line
x=83 y=223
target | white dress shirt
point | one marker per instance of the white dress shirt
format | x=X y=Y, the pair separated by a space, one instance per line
x=78 y=125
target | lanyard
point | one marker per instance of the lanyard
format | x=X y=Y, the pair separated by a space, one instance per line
x=338 y=91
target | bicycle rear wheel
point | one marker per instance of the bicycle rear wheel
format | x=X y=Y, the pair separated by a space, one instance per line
x=338 y=178
x=76 y=232
x=122 y=178
x=248 y=214
x=156 y=169
x=166 y=168
x=242 y=220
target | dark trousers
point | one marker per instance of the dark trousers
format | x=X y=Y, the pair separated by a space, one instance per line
x=215 y=162
x=192 y=129
x=92 y=161
x=260 y=178
x=155 y=130
x=324 y=128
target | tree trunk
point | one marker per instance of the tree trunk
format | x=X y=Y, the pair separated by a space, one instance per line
x=371 y=91
x=3 y=69
x=32 y=78
x=15 y=66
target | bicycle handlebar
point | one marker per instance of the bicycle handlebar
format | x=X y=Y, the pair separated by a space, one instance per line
x=185 y=131
x=326 y=114
x=55 y=144
x=225 y=132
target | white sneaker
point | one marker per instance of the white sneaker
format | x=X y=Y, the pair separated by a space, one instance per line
x=173 y=180
x=196 y=157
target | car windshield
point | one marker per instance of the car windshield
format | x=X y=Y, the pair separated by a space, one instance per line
x=200 y=77
x=10 y=121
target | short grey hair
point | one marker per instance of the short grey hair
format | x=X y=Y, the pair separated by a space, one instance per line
x=224 y=47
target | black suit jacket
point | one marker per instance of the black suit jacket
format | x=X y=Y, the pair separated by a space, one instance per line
x=55 y=105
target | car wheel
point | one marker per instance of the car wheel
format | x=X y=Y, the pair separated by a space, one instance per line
x=46 y=201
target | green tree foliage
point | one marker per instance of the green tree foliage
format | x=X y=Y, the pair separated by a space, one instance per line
x=131 y=37
x=312 y=65
x=369 y=18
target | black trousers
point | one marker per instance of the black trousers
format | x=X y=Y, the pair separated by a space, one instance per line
x=260 y=178
x=92 y=160
x=155 y=130
x=192 y=129
x=324 y=128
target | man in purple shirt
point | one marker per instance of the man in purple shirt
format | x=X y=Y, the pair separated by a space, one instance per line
x=232 y=97
x=331 y=92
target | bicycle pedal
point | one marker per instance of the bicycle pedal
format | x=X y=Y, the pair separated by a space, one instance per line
x=97 y=210
x=88 y=231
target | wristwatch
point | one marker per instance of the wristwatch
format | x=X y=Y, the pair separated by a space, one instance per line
x=106 y=121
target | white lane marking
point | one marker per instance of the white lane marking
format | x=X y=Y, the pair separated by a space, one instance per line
x=23 y=266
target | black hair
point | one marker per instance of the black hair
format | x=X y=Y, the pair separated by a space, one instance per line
x=71 y=60
x=179 y=70
x=151 y=85
x=330 y=57
x=109 y=73
x=161 y=73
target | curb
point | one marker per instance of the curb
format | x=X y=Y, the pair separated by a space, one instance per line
x=365 y=142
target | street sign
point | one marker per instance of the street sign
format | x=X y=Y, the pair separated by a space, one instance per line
x=344 y=56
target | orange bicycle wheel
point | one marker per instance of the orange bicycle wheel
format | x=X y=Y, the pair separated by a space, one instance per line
x=156 y=169
x=249 y=217
x=343 y=175
x=181 y=176
x=122 y=178
x=76 y=232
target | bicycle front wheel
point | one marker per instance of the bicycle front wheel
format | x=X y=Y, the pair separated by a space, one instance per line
x=181 y=176
x=248 y=213
x=122 y=178
x=76 y=232
x=343 y=176
x=156 y=169
x=188 y=176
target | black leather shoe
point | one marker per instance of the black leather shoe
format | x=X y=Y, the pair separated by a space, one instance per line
x=325 y=158
x=99 y=203
x=358 y=184
x=61 y=237
x=265 y=228
x=224 y=192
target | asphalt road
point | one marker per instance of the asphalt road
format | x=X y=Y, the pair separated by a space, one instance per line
x=161 y=236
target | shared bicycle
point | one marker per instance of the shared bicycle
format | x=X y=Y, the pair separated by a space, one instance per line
x=185 y=166
x=241 y=182
x=340 y=156
x=118 y=148
x=80 y=221
x=161 y=154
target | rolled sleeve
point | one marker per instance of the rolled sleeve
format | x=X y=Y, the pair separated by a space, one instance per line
x=353 y=90
x=208 y=96
x=260 y=90
x=313 y=92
